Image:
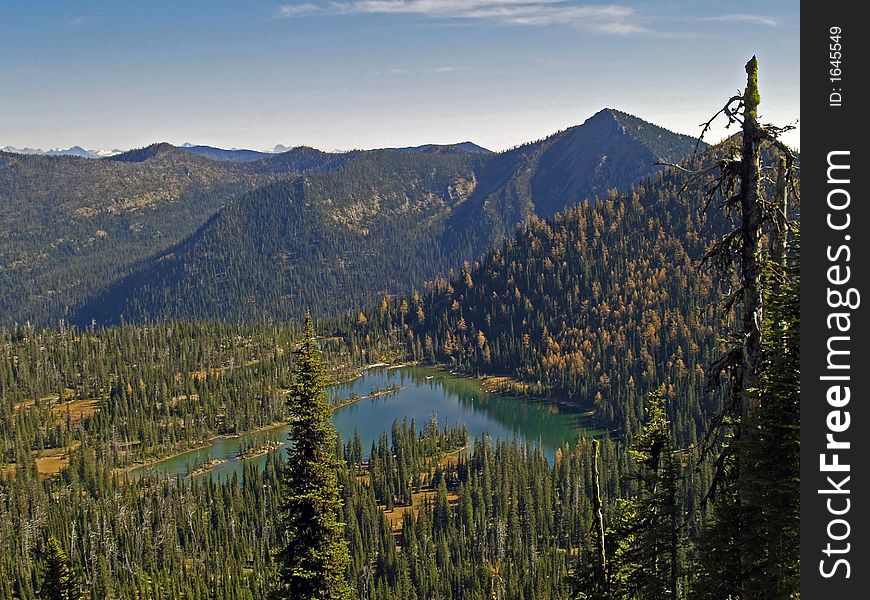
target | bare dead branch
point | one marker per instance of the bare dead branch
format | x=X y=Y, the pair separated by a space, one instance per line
x=731 y=113
x=732 y=356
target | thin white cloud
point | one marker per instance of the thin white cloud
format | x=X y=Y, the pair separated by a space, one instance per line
x=442 y=8
x=746 y=18
x=605 y=18
x=76 y=21
x=442 y=70
x=288 y=11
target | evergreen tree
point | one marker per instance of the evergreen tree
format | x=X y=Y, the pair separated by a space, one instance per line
x=315 y=556
x=60 y=582
x=776 y=453
x=647 y=559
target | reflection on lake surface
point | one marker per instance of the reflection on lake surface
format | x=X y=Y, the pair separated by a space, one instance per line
x=422 y=391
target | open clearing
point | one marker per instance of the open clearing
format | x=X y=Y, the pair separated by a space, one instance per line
x=76 y=410
x=418 y=499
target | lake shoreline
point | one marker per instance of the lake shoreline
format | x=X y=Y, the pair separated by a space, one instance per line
x=504 y=385
x=207 y=443
x=508 y=385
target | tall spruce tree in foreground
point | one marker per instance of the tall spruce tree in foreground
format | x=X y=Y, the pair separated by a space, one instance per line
x=314 y=559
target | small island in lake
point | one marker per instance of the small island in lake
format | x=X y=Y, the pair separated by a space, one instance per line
x=354 y=398
x=253 y=451
x=387 y=391
x=206 y=467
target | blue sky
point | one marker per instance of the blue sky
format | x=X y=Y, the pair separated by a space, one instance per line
x=349 y=74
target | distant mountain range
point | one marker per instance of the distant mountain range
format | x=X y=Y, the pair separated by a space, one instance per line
x=231 y=155
x=207 y=151
x=74 y=151
x=167 y=232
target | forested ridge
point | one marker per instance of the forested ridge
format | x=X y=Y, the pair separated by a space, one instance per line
x=72 y=225
x=313 y=241
x=164 y=232
x=329 y=240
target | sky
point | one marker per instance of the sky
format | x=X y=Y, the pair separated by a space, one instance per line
x=347 y=74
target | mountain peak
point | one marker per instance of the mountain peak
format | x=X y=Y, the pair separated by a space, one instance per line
x=148 y=152
x=232 y=155
x=611 y=149
x=607 y=112
x=469 y=146
x=665 y=145
x=282 y=220
x=460 y=147
x=605 y=115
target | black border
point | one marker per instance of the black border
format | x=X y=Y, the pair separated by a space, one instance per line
x=826 y=128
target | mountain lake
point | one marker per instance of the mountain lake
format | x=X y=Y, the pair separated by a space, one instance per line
x=397 y=393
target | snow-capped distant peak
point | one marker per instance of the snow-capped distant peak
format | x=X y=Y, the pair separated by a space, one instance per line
x=73 y=151
x=103 y=153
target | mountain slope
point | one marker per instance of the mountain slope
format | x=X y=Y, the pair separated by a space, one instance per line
x=376 y=224
x=609 y=150
x=70 y=226
x=318 y=241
